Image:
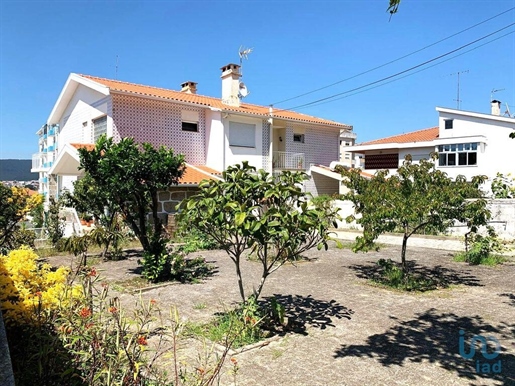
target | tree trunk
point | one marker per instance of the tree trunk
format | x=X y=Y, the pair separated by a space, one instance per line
x=240 y=279
x=403 y=252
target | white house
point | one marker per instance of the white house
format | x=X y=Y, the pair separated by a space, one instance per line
x=212 y=133
x=467 y=143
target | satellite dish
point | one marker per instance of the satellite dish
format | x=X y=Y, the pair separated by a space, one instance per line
x=243 y=90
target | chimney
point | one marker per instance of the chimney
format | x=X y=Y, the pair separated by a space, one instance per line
x=496 y=107
x=189 y=87
x=231 y=84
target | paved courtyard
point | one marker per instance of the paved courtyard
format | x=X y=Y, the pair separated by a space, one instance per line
x=354 y=333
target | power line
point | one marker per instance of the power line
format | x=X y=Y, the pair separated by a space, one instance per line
x=401 y=72
x=413 y=73
x=392 y=61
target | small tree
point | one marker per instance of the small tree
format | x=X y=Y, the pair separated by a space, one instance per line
x=131 y=175
x=269 y=215
x=418 y=197
x=53 y=223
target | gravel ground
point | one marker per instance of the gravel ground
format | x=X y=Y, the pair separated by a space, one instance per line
x=354 y=333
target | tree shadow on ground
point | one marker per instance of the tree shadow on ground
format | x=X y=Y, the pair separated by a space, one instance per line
x=443 y=276
x=434 y=337
x=511 y=299
x=305 y=311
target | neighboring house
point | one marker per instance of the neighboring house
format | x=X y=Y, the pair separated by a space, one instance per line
x=346 y=139
x=467 y=143
x=212 y=133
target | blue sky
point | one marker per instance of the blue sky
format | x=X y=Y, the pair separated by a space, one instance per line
x=298 y=46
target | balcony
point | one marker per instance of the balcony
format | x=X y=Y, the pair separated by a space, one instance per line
x=348 y=135
x=38 y=162
x=283 y=160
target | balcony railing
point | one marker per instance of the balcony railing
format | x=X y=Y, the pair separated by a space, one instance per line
x=38 y=161
x=288 y=161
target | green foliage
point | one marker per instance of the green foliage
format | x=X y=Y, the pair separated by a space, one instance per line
x=194 y=240
x=53 y=223
x=417 y=197
x=393 y=276
x=484 y=250
x=239 y=327
x=131 y=175
x=174 y=266
x=503 y=186
x=15 y=204
x=252 y=209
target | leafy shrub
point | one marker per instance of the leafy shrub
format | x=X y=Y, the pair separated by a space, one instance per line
x=237 y=328
x=393 y=276
x=77 y=335
x=194 y=240
x=484 y=250
x=174 y=266
x=26 y=285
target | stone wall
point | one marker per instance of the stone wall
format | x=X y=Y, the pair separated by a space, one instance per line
x=169 y=199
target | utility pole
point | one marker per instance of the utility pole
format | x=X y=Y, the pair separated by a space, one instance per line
x=458 y=100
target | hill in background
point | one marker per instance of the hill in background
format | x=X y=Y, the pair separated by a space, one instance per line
x=16 y=170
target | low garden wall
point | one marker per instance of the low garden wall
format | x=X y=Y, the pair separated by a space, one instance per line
x=503 y=218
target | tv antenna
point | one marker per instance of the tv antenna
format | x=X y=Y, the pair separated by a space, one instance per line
x=243 y=54
x=493 y=92
x=116 y=68
x=458 y=100
x=507 y=112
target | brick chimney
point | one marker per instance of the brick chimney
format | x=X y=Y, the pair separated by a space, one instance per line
x=496 y=107
x=189 y=87
x=231 y=84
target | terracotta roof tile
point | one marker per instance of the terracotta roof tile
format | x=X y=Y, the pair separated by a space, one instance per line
x=87 y=146
x=414 y=136
x=194 y=174
x=139 y=89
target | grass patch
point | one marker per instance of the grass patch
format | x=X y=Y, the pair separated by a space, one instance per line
x=131 y=284
x=490 y=260
x=229 y=328
x=391 y=275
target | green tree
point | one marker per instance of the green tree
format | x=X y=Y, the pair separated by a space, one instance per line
x=250 y=209
x=131 y=176
x=89 y=198
x=53 y=223
x=417 y=197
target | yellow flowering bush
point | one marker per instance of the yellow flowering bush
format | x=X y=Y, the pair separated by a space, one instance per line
x=30 y=290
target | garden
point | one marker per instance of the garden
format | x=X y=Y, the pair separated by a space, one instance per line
x=253 y=288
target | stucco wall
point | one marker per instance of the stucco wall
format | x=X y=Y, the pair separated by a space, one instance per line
x=503 y=218
x=75 y=123
x=159 y=123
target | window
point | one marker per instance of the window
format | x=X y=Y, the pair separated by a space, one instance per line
x=461 y=154
x=190 y=120
x=298 y=138
x=242 y=134
x=347 y=143
x=448 y=123
x=99 y=127
x=190 y=126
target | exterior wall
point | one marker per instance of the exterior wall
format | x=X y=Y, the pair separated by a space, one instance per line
x=503 y=218
x=266 y=146
x=76 y=121
x=319 y=184
x=321 y=145
x=215 y=140
x=235 y=154
x=159 y=123
x=416 y=153
x=496 y=154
